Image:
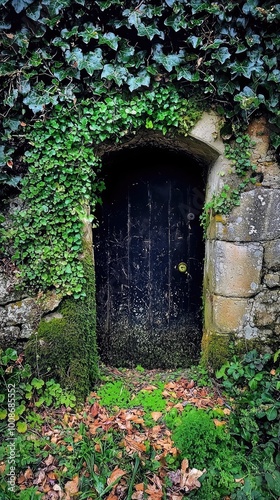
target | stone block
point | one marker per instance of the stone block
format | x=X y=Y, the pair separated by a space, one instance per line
x=8 y=293
x=229 y=313
x=272 y=255
x=9 y=336
x=256 y=219
x=272 y=280
x=22 y=312
x=234 y=270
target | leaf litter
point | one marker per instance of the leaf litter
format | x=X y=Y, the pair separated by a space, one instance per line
x=138 y=441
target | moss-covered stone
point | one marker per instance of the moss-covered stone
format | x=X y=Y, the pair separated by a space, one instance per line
x=65 y=346
x=215 y=350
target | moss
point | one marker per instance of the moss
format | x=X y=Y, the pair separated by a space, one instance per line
x=65 y=348
x=215 y=350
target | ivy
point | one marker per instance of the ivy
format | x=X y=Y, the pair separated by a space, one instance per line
x=63 y=179
x=60 y=51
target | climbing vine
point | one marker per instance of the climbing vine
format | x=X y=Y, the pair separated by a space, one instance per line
x=61 y=51
x=223 y=202
x=63 y=178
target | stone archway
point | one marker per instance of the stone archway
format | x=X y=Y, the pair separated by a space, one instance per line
x=167 y=331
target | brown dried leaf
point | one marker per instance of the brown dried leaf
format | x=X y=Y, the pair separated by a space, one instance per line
x=156 y=415
x=72 y=487
x=116 y=474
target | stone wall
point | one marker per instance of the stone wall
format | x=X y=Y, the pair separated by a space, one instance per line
x=242 y=257
x=242 y=264
x=20 y=314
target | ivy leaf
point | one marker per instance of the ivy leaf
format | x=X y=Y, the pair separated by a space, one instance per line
x=250 y=7
x=76 y=57
x=56 y=6
x=34 y=11
x=110 y=39
x=92 y=61
x=133 y=17
x=176 y=22
x=222 y=54
x=186 y=74
x=125 y=55
x=195 y=41
x=90 y=32
x=114 y=72
x=274 y=76
x=168 y=61
x=20 y=5
x=148 y=31
x=141 y=80
x=105 y=4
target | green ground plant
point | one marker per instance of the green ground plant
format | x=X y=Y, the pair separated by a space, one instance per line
x=253 y=383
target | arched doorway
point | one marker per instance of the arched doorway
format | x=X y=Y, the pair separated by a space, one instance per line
x=149 y=255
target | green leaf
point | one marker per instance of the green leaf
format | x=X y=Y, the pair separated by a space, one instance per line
x=20 y=5
x=141 y=80
x=92 y=61
x=110 y=39
x=186 y=74
x=148 y=31
x=21 y=427
x=114 y=72
x=195 y=41
x=273 y=481
x=222 y=54
x=176 y=22
x=3 y=414
x=168 y=61
x=272 y=414
x=105 y=4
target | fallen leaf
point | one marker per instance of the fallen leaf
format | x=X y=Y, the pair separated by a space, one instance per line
x=139 y=487
x=156 y=415
x=273 y=372
x=116 y=474
x=71 y=487
x=184 y=465
x=227 y=411
x=219 y=423
x=49 y=460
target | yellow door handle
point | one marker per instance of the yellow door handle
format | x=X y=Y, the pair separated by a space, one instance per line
x=182 y=267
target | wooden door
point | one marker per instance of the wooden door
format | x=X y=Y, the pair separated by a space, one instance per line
x=149 y=253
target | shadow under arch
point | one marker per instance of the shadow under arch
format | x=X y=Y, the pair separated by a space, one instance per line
x=149 y=250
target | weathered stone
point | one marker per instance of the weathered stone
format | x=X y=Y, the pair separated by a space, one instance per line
x=229 y=314
x=51 y=316
x=259 y=132
x=8 y=293
x=49 y=301
x=234 y=270
x=272 y=280
x=24 y=312
x=256 y=219
x=9 y=336
x=272 y=255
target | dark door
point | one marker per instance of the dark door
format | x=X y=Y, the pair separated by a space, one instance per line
x=149 y=255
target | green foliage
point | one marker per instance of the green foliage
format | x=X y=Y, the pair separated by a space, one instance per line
x=222 y=203
x=19 y=388
x=58 y=52
x=210 y=446
x=114 y=394
x=63 y=179
x=254 y=383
